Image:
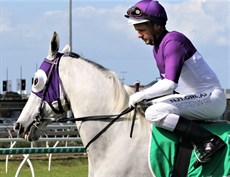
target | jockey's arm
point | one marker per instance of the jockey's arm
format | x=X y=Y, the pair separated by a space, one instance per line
x=162 y=87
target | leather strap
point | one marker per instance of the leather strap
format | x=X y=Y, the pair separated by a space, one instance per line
x=183 y=156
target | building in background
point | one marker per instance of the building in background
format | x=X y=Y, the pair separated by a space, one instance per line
x=6 y=86
x=21 y=86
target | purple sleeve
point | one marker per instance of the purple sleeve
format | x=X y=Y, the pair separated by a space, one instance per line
x=175 y=55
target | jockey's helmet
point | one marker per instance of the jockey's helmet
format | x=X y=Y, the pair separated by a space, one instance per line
x=147 y=11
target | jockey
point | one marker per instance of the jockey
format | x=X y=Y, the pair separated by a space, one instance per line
x=188 y=88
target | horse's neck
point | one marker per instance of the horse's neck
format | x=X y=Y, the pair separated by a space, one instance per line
x=88 y=89
x=91 y=90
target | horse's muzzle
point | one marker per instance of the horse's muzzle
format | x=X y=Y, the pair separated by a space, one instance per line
x=30 y=134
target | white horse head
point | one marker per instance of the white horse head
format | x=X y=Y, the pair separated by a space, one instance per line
x=29 y=128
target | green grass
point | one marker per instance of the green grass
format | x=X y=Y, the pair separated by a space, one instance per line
x=76 y=167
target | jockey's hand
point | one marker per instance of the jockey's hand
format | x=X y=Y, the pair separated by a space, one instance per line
x=135 y=98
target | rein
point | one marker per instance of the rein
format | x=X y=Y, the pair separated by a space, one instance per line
x=114 y=118
x=137 y=85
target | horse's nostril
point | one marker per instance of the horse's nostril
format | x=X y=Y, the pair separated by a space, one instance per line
x=18 y=128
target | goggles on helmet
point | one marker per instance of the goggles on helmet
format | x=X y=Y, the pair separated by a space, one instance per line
x=136 y=12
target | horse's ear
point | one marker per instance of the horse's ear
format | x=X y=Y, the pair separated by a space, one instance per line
x=66 y=49
x=54 y=46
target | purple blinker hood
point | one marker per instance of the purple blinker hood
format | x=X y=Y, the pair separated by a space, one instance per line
x=51 y=91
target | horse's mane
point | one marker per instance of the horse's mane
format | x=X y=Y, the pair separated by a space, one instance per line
x=77 y=56
x=121 y=91
x=120 y=96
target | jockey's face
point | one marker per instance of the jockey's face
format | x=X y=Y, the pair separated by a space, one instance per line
x=147 y=32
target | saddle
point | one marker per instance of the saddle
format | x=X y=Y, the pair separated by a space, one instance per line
x=184 y=151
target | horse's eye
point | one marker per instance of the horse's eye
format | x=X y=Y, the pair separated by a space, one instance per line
x=35 y=81
x=39 y=82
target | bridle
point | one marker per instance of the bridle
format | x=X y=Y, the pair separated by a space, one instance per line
x=60 y=110
x=39 y=118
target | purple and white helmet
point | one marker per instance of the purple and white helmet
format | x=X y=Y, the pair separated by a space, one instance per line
x=147 y=10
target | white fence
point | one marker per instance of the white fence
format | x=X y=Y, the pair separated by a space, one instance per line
x=55 y=133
